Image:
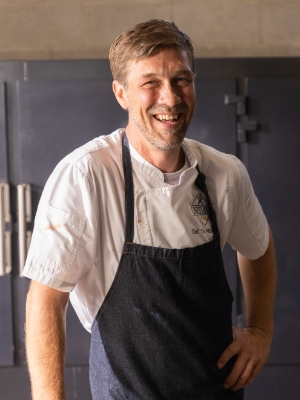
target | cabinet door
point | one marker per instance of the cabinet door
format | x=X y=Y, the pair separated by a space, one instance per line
x=274 y=165
x=54 y=118
x=214 y=124
x=6 y=316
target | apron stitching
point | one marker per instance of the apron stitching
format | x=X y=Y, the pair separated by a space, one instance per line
x=171 y=258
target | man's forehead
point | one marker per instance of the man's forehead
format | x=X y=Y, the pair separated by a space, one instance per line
x=176 y=59
x=186 y=71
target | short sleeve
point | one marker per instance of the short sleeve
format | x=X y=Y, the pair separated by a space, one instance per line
x=249 y=233
x=63 y=245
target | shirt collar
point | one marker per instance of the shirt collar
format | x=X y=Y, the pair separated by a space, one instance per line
x=147 y=169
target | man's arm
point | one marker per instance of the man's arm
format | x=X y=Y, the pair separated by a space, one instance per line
x=45 y=340
x=252 y=344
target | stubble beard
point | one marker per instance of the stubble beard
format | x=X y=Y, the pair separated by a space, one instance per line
x=177 y=135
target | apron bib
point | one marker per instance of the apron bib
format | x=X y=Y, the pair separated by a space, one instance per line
x=165 y=320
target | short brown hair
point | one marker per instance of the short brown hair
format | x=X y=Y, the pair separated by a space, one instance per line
x=145 y=40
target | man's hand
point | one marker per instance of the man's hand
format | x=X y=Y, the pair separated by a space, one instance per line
x=252 y=347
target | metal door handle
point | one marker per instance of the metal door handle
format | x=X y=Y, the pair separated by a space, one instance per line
x=5 y=230
x=24 y=220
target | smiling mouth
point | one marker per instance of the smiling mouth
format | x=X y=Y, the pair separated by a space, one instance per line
x=168 y=118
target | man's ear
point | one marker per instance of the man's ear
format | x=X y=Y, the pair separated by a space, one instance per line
x=120 y=94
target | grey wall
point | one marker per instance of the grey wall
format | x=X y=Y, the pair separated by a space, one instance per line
x=64 y=29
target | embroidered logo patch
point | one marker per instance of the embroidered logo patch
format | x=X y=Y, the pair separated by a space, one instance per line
x=199 y=208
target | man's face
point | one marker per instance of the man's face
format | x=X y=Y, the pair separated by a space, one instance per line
x=160 y=98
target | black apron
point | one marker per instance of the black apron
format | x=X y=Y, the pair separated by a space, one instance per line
x=165 y=320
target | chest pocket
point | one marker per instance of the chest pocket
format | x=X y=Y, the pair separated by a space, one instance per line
x=173 y=217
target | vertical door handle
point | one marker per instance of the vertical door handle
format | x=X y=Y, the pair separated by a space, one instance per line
x=5 y=230
x=24 y=222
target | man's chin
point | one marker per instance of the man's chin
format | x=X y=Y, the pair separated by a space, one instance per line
x=171 y=143
x=163 y=139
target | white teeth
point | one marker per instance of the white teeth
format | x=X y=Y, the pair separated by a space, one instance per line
x=166 y=117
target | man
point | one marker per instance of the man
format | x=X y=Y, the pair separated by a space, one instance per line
x=144 y=278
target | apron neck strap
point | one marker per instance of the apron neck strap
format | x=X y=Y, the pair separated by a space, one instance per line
x=129 y=191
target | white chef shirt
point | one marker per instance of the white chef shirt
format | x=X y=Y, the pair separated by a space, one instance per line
x=79 y=226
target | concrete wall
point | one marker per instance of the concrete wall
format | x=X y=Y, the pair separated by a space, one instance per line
x=64 y=29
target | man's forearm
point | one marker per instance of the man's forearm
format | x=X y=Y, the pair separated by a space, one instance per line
x=45 y=341
x=259 y=283
x=252 y=344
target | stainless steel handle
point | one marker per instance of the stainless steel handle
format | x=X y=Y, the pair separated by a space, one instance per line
x=24 y=219
x=5 y=230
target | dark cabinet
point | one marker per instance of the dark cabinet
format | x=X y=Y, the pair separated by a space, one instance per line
x=274 y=164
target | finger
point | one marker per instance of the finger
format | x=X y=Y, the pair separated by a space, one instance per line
x=244 y=376
x=253 y=375
x=228 y=353
x=237 y=369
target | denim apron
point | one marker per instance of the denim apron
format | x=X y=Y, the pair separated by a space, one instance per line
x=165 y=320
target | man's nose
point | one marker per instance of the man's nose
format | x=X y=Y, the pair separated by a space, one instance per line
x=168 y=95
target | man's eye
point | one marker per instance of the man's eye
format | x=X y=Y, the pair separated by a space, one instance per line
x=150 y=84
x=183 y=81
